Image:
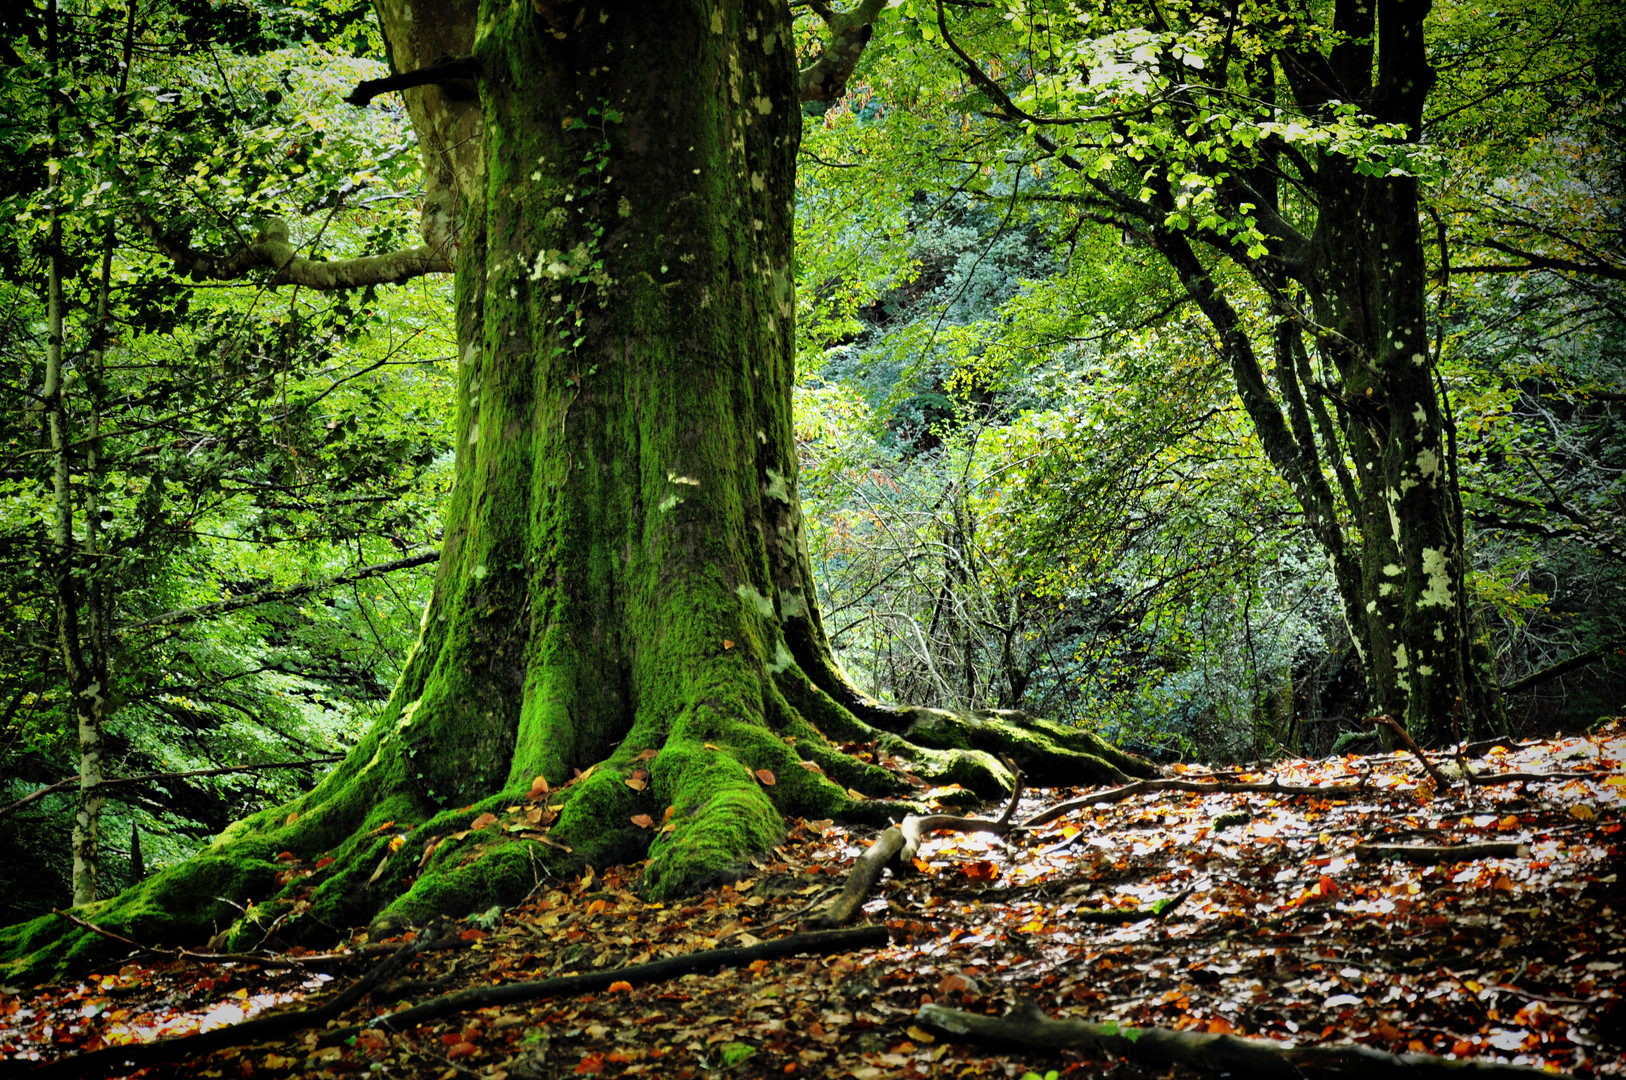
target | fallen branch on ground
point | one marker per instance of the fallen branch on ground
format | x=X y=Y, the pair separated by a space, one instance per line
x=1385 y=720
x=901 y=842
x=1140 y=787
x=1260 y=1059
x=1273 y=787
x=1445 y=853
x=117 y=1060
x=828 y=941
x=120 y=1059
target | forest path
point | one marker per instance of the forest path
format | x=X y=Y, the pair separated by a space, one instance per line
x=1287 y=933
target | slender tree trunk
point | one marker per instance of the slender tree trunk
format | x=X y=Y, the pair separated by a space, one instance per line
x=87 y=819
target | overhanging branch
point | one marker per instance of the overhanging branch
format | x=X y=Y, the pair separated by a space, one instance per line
x=825 y=79
x=183 y=616
x=271 y=250
x=455 y=75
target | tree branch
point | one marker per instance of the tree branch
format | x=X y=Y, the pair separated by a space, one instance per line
x=271 y=250
x=825 y=79
x=284 y=592
x=455 y=75
x=901 y=842
x=72 y=781
x=1564 y=667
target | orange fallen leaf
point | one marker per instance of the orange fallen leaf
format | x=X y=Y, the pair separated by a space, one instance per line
x=597 y=906
x=483 y=820
x=621 y=987
x=670 y=810
x=472 y=935
x=288 y=856
x=982 y=870
x=727 y=644
x=539 y=788
x=462 y=1050
x=293 y=817
x=592 y=1063
x=1220 y=1026
x=766 y=777
x=643 y=821
x=635 y=783
x=711 y=746
x=325 y=860
x=647 y=755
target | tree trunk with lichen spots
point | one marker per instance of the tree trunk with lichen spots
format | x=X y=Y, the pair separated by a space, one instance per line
x=623 y=605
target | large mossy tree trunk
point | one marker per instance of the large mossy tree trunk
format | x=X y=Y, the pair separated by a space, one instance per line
x=624 y=604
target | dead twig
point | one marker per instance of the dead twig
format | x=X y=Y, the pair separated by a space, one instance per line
x=1385 y=720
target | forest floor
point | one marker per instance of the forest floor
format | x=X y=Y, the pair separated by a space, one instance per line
x=1287 y=934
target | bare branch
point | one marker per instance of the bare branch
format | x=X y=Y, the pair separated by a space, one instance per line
x=454 y=75
x=271 y=250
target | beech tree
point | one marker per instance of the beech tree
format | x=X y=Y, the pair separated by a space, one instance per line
x=622 y=627
x=1270 y=155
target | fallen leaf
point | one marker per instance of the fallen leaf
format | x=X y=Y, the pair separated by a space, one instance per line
x=647 y=755
x=727 y=644
x=643 y=821
x=634 y=783
x=620 y=986
x=539 y=788
x=483 y=820
x=766 y=777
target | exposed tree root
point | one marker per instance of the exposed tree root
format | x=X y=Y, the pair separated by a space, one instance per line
x=1261 y=1059
x=1449 y=853
x=119 y=1059
x=900 y=842
x=262 y=958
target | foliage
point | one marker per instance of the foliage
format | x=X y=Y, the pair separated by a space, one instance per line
x=238 y=439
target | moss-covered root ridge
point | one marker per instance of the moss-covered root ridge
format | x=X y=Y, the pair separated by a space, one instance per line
x=1048 y=753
